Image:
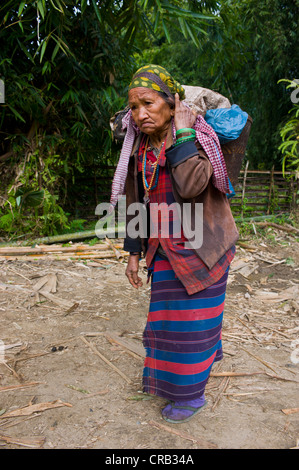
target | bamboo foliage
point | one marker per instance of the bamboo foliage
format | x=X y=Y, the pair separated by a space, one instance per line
x=290 y=132
x=66 y=65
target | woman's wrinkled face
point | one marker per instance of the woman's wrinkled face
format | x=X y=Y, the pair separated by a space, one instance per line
x=150 y=111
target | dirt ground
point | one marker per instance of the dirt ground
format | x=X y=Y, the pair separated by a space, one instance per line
x=71 y=371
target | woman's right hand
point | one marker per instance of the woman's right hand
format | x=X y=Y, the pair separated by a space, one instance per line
x=183 y=116
x=132 y=271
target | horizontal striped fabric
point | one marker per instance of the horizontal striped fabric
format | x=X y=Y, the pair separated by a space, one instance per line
x=182 y=337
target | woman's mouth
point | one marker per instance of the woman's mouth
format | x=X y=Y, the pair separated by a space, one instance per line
x=146 y=124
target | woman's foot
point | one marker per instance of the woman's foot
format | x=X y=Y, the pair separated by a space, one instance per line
x=183 y=410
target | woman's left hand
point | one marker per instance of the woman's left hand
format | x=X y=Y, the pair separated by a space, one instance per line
x=183 y=116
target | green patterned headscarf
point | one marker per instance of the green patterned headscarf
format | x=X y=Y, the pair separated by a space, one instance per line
x=158 y=79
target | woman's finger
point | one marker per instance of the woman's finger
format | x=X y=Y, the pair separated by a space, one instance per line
x=183 y=116
x=134 y=280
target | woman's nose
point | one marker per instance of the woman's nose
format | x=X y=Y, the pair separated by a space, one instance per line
x=142 y=113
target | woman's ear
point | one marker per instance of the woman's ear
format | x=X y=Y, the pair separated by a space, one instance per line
x=172 y=108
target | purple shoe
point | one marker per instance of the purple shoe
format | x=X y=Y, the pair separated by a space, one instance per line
x=183 y=410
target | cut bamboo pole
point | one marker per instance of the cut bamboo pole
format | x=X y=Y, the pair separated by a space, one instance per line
x=248 y=374
x=255 y=218
x=260 y=360
x=31 y=409
x=284 y=228
x=32 y=442
x=67 y=237
x=244 y=188
x=113 y=247
x=63 y=257
x=94 y=349
x=76 y=249
x=20 y=386
x=271 y=190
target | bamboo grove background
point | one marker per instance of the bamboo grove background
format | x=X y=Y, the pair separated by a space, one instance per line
x=66 y=65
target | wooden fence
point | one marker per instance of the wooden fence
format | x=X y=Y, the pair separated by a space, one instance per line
x=258 y=193
x=264 y=193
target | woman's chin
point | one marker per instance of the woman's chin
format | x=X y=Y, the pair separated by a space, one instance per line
x=147 y=129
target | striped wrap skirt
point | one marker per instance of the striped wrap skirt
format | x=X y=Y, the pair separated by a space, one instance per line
x=182 y=336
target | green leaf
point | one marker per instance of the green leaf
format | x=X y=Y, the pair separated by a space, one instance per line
x=46 y=68
x=43 y=49
x=192 y=36
x=21 y=8
x=33 y=198
x=179 y=12
x=17 y=115
x=83 y=5
x=25 y=50
x=143 y=4
x=41 y=7
x=59 y=7
x=183 y=27
x=166 y=31
x=157 y=19
x=56 y=49
x=97 y=11
x=159 y=5
x=63 y=46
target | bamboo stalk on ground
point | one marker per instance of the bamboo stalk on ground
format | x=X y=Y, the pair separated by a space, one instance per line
x=259 y=359
x=20 y=386
x=20 y=250
x=284 y=228
x=247 y=374
x=31 y=409
x=223 y=387
x=94 y=349
x=69 y=236
x=32 y=442
x=103 y=250
x=63 y=257
x=113 y=247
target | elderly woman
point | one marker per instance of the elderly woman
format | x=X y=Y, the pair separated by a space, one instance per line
x=171 y=156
